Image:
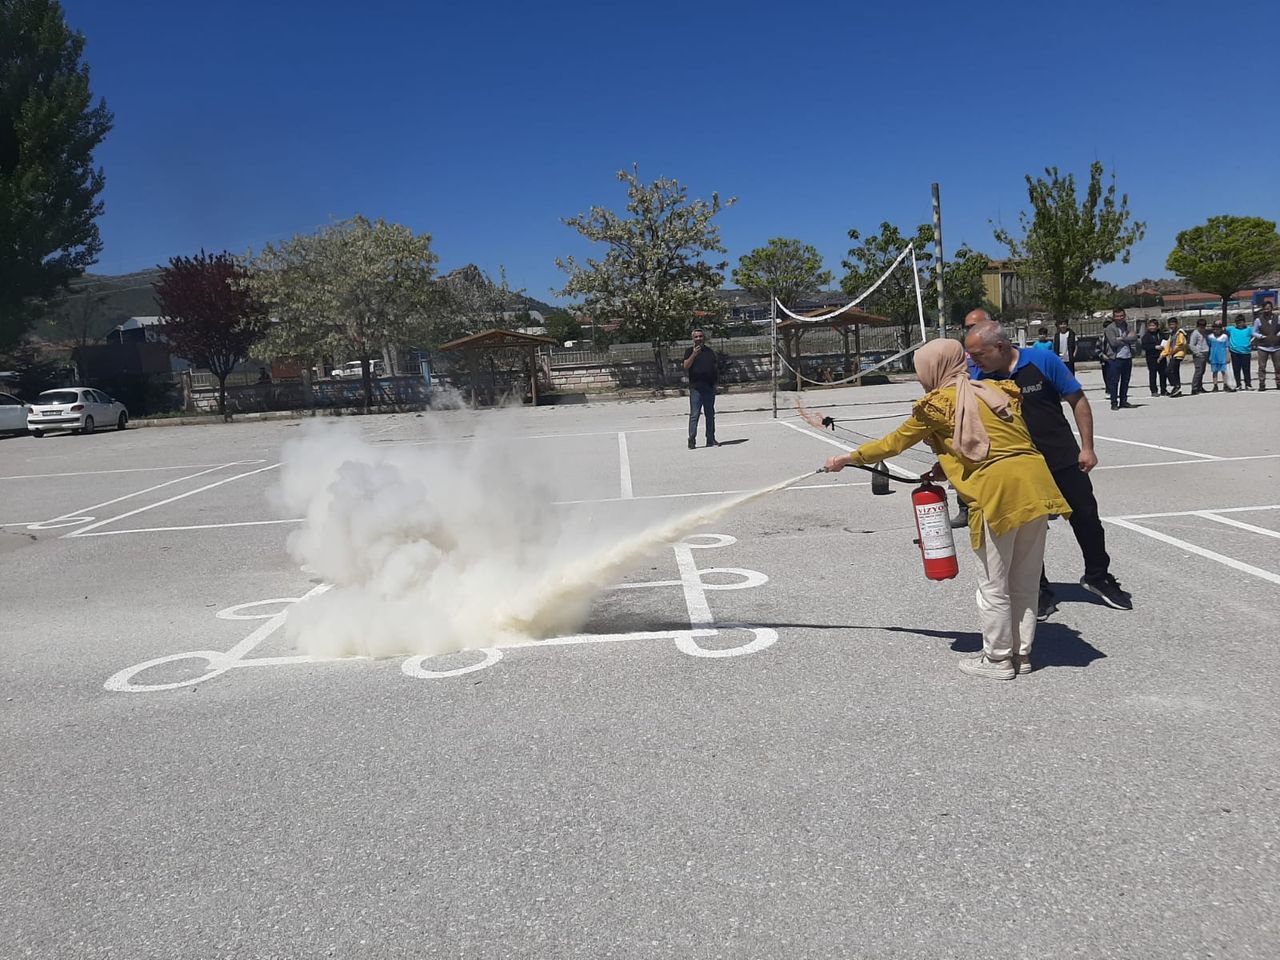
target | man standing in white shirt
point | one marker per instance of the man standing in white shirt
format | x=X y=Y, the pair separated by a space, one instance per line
x=1064 y=344
x=1266 y=337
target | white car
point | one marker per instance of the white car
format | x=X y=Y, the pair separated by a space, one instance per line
x=352 y=371
x=78 y=409
x=13 y=414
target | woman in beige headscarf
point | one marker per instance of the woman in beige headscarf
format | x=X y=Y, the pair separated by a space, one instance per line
x=976 y=430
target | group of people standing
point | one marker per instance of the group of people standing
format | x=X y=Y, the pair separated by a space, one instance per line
x=1208 y=347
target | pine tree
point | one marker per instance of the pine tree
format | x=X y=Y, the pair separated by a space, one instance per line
x=49 y=127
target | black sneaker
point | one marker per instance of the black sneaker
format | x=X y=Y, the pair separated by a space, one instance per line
x=712 y=443
x=1126 y=405
x=1047 y=607
x=692 y=444
x=1115 y=406
x=1108 y=589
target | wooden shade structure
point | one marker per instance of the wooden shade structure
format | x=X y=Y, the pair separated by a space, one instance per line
x=848 y=318
x=489 y=344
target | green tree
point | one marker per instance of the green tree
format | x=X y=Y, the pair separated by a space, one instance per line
x=1226 y=254
x=1065 y=240
x=962 y=284
x=786 y=269
x=211 y=316
x=49 y=127
x=871 y=256
x=563 y=325
x=652 y=278
x=351 y=289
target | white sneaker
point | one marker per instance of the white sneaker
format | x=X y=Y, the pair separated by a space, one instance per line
x=991 y=669
x=1021 y=664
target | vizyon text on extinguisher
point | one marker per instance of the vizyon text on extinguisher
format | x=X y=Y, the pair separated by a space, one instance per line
x=937 y=545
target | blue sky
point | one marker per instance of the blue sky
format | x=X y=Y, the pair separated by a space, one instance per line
x=484 y=124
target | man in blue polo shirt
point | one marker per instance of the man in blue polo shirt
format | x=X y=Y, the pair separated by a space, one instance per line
x=1045 y=383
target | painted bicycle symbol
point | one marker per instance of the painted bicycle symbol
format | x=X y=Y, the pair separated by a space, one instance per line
x=692 y=581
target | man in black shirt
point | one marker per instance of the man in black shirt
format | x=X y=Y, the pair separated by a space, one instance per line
x=1045 y=383
x=701 y=366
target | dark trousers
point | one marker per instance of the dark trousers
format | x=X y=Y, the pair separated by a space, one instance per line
x=1156 y=370
x=1240 y=366
x=1198 y=363
x=1117 y=373
x=1077 y=490
x=702 y=398
x=1174 y=365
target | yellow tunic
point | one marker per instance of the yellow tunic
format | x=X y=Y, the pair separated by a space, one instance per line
x=1011 y=487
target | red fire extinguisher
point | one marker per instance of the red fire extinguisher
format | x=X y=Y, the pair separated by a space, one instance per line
x=937 y=545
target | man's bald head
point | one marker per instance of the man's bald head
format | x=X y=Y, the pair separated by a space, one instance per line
x=975 y=317
x=989 y=347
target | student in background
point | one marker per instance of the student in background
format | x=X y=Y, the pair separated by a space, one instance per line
x=1198 y=343
x=1042 y=341
x=1173 y=353
x=1218 y=356
x=1240 y=347
x=1064 y=344
x=1152 y=344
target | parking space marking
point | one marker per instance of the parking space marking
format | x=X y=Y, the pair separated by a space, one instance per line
x=1187 y=513
x=190 y=526
x=1182 y=463
x=1156 y=446
x=1196 y=549
x=83 y=531
x=215 y=663
x=900 y=471
x=624 y=466
x=82 y=515
x=1238 y=524
x=97 y=473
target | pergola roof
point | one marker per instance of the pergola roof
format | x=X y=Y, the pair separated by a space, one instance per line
x=848 y=317
x=494 y=339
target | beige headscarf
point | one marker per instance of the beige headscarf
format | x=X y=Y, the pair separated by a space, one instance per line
x=941 y=363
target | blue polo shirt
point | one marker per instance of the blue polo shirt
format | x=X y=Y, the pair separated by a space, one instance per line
x=1044 y=380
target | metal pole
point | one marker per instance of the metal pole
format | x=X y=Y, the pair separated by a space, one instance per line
x=937 y=255
x=773 y=351
x=915 y=276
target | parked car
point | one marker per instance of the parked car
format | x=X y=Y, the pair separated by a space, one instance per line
x=351 y=371
x=78 y=409
x=13 y=414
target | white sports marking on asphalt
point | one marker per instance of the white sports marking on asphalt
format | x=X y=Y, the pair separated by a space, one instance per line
x=624 y=466
x=692 y=580
x=96 y=473
x=1156 y=446
x=79 y=516
x=846 y=448
x=1198 y=550
x=151 y=506
x=1239 y=524
x=192 y=526
x=1192 y=513
x=1181 y=463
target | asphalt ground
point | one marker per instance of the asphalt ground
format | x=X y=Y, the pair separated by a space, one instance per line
x=773 y=758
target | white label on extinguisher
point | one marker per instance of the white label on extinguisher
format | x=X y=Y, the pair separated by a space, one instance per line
x=936 y=541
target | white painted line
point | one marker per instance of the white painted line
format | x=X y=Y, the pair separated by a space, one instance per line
x=1156 y=446
x=1182 y=463
x=68 y=519
x=19 y=523
x=1199 y=551
x=624 y=466
x=709 y=493
x=98 y=473
x=193 y=526
x=506 y=438
x=846 y=448
x=1192 y=513
x=151 y=506
x=1239 y=524
x=695 y=597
